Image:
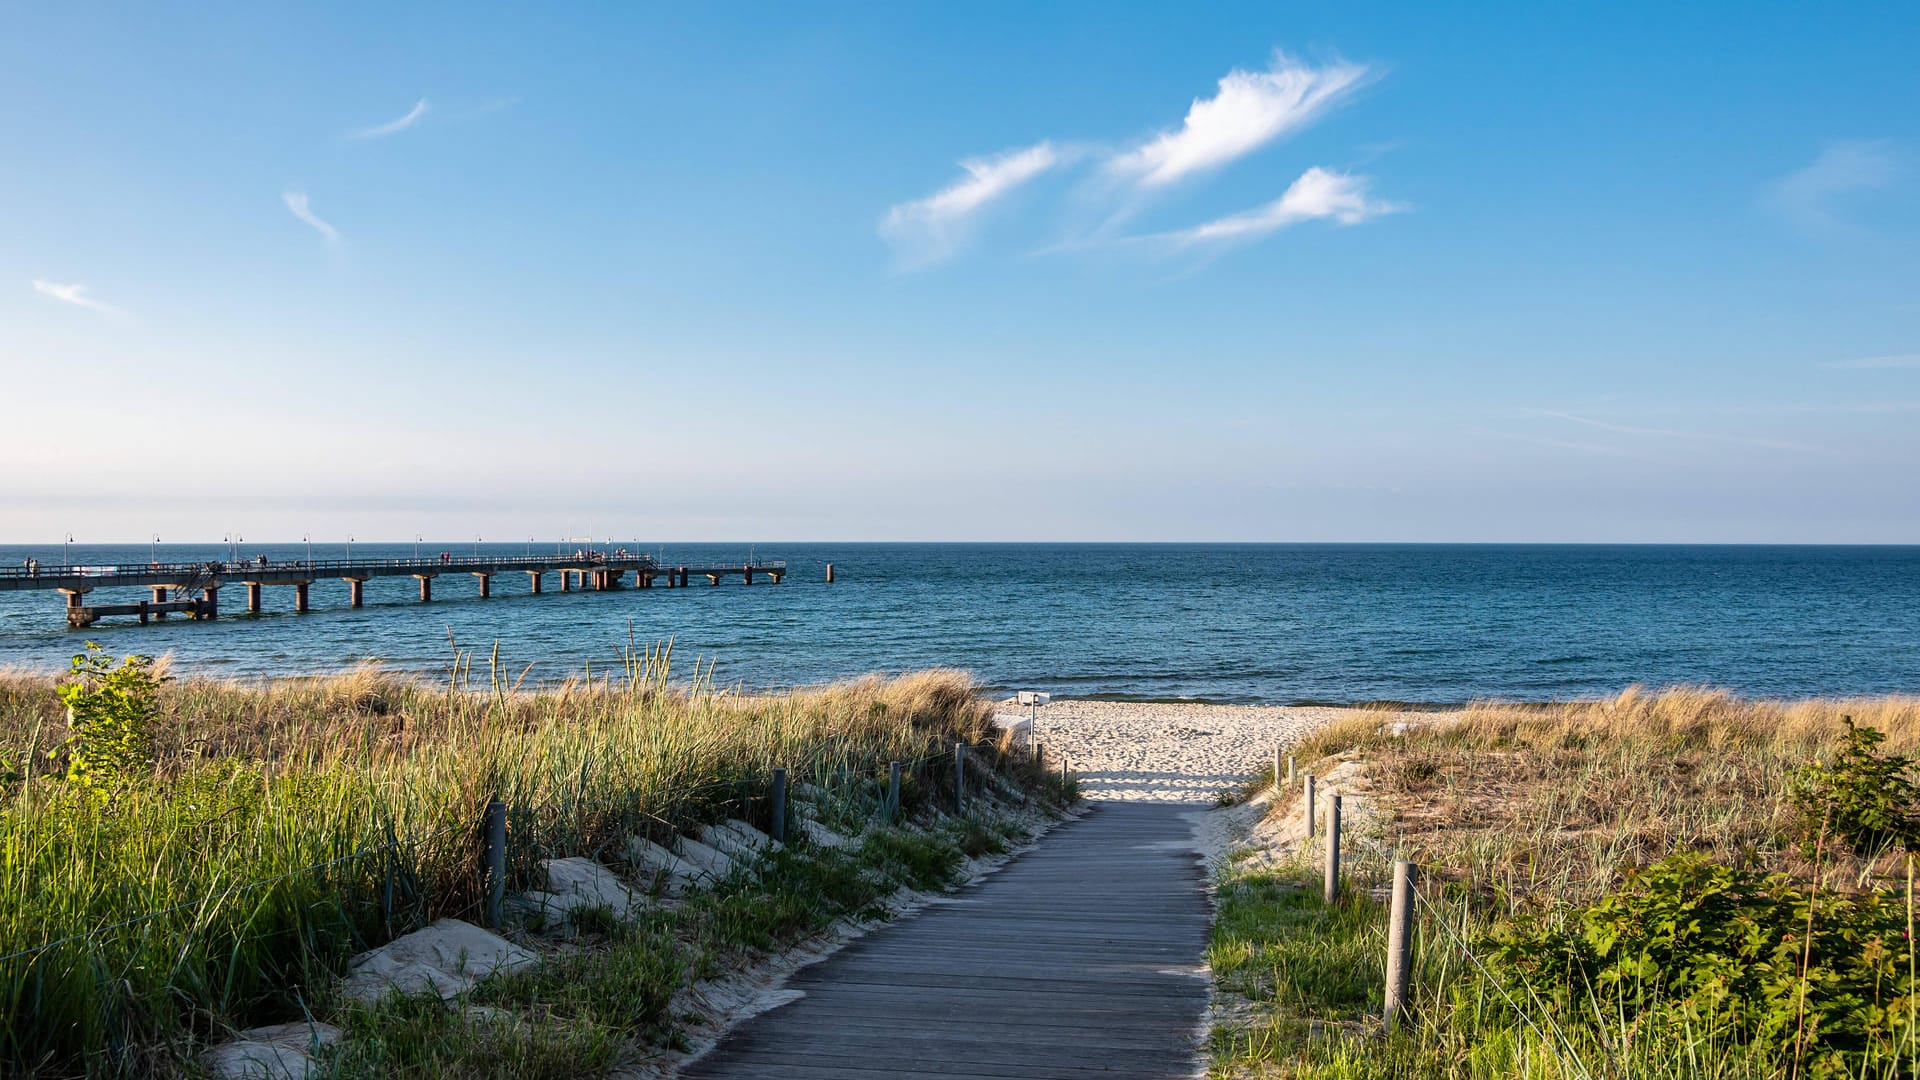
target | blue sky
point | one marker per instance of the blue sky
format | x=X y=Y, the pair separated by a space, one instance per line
x=1066 y=271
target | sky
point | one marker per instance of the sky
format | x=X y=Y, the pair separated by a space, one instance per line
x=1263 y=272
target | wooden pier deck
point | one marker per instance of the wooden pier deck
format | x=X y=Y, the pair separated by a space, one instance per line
x=1079 y=960
x=193 y=588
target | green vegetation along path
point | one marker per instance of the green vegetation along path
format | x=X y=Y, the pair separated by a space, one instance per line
x=1080 y=959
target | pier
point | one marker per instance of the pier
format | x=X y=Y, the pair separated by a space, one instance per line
x=193 y=589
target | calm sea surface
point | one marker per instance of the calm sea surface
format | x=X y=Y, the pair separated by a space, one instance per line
x=1214 y=622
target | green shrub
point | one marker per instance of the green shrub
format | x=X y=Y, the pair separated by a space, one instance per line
x=1731 y=952
x=1863 y=798
x=111 y=716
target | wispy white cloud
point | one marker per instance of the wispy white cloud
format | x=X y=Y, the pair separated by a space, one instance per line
x=1318 y=193
x=75 y=295
x=1252 y=109
x=1811 y=198
x=1903 y=361
x=393 y=127
x=297 y=202
x=927 y=230
x=1670 y=433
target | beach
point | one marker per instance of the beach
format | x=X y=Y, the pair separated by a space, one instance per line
x=1184 y=752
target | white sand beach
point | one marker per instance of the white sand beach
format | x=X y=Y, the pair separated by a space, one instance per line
x=1168 y=751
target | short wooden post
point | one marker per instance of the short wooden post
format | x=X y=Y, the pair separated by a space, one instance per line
x=1331 y=890
x=494 y=860
x=1399 y=940
x=959 y=778
x=1290 y=772
x=1276 y=767
x=893 y=791
x=779 y=809
x=1066 y=772
x=1306 y=807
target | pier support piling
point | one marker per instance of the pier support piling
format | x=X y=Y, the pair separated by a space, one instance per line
x=160 y=597
x=253 y=597
x=356 y=592
x=486 y=585
x=829 y=573
x=300 y=596
x=534 y=577
x=210 y=602
x=426 y=587
x=566 y=581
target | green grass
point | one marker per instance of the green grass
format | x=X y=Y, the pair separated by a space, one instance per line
x=1537 y=812
x=380 y=781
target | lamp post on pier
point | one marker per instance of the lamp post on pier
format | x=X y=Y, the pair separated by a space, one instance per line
x=308 y=537
x=65 y=558
x=416 y=547
x=153 y=549
x=349 y=547
x=476 y=549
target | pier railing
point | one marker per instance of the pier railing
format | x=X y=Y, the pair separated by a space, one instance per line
x=345 y=567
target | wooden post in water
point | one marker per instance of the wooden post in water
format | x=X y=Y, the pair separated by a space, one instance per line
x=1306 y=808
x=779 y=808
x=829 y=573
x=494 y=860
x=1399 y=940
x=1331 y=890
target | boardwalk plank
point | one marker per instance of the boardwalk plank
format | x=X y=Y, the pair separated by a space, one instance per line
x=1078 y=960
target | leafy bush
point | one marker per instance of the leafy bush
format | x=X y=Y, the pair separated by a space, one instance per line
x=111 y=716
x=1863 y=798
x=1732 y=952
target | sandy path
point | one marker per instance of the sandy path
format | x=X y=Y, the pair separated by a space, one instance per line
x=1170 y=752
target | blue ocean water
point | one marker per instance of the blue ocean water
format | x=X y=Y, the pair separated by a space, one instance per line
x=1279 y=623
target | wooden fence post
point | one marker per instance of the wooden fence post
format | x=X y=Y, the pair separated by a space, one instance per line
x=1399 y=940
x=959 y=778
x=1306 y=809
x=1331 y=891
x=494 y=861
x=893 y=791
x=779 y=808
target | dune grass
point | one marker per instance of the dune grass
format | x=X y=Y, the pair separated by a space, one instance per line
x=1524 y=818
x=324 y=815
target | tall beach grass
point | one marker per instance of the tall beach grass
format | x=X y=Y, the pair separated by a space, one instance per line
x=288 y=824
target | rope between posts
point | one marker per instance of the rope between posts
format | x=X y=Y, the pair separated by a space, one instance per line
x=1559 y=1041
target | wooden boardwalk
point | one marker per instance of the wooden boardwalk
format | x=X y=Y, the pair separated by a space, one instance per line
x=1078 y=960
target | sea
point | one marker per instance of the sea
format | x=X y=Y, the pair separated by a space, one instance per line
x=1248 y=623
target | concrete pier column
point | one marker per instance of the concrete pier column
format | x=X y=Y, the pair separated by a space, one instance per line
x=356 y=592
x=566 y=581
x=746 y=575
x=776 y=575
x=683 y=577
x=144 y=605
x=210 y=602
x=486 y=585
x=160 y=597
x=536 y=577
x=829 y=573
x=426 y=587
x=713 y=579
x=300 y=596
x=615 y=578
x=253 y=598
